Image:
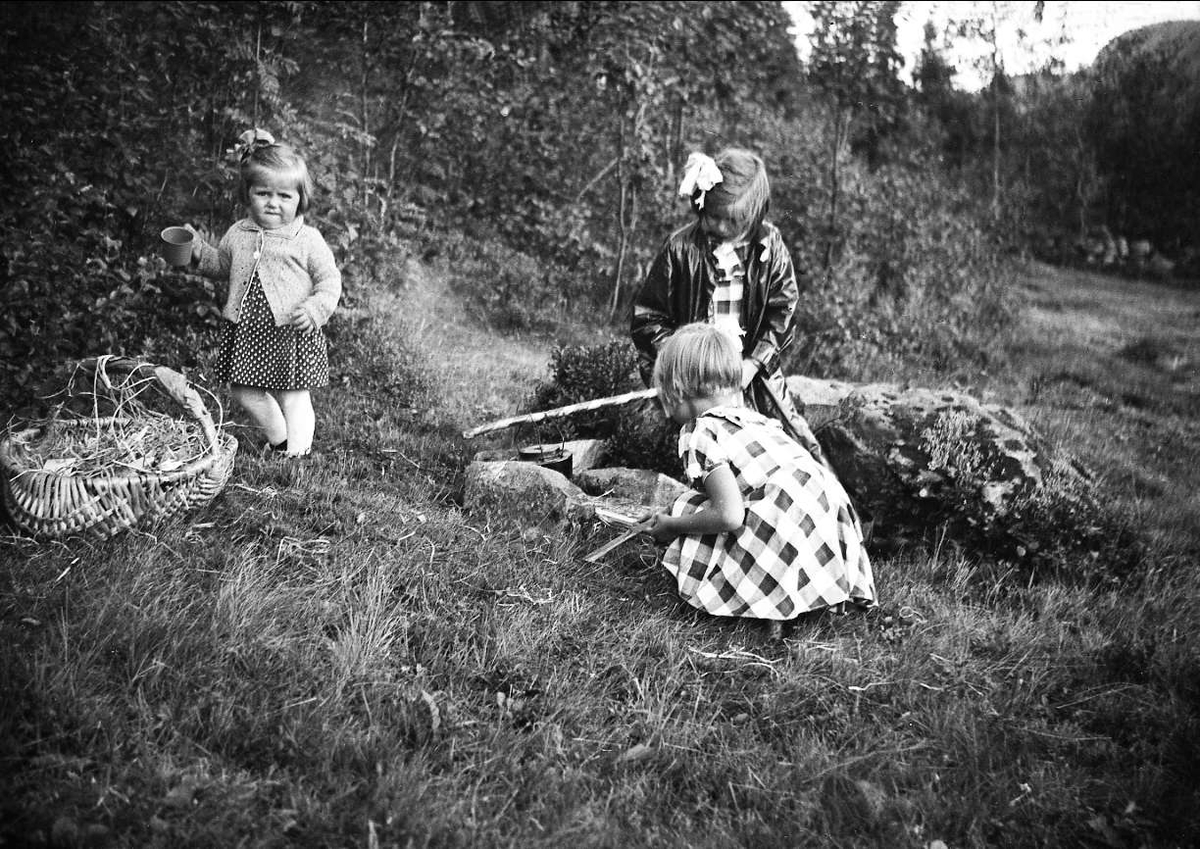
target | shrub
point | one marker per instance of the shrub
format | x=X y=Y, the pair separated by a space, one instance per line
x=643 y=438
x=507 y=289
x=917 y=274
x=637 y=434
x=583 y=373
x=371 y=354
x=91 y=297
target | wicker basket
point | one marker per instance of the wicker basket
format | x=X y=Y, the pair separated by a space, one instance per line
x=101 y=503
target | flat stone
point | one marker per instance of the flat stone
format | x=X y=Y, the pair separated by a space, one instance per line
x=585 y=454
x=641 y=490
x=524 y=491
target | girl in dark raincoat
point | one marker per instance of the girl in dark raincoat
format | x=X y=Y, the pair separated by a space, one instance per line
x=729 y=268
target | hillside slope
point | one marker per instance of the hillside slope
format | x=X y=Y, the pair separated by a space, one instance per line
x=335 y=653
x=477 y=374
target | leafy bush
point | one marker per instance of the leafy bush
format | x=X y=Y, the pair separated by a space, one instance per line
x=637 y=434
x=504 y=288
x=364 y=353
x=1062 y=525
x=918 y=275
x=644 y=438
x=583 y=373
x=90 y=297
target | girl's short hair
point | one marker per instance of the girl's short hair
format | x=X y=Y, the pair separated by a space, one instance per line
x=696 y=361
x=744 y=193
x=276 y=158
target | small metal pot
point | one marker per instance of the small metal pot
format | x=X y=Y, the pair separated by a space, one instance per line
x=552 y=456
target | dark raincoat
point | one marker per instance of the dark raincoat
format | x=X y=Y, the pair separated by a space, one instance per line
x=677 y=291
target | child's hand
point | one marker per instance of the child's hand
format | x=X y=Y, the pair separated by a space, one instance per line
x=302 y=321
x=199 y=239
x=658 y=527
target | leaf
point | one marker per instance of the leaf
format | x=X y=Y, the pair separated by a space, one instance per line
x=637 y=752
x=435 y=715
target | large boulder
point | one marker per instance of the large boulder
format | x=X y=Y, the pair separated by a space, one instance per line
x=915 y=458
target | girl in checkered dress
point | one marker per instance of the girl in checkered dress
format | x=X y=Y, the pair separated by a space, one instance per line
x=283 y=287
x=769 y=532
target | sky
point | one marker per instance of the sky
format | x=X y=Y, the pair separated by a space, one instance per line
x=1072 y=31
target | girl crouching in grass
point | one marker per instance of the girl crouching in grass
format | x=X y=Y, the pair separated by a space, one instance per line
x=772 y=534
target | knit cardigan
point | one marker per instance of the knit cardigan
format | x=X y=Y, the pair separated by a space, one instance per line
x=295 y=266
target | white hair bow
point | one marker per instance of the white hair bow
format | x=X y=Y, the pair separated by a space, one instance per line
x=702 y=173
x=250 y=140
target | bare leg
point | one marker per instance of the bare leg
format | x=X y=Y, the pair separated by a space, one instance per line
x=264 y=410
x=301 y=420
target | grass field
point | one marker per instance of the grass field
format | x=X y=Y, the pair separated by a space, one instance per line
x=334 y=654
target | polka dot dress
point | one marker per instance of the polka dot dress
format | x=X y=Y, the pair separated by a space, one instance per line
x=254 y=352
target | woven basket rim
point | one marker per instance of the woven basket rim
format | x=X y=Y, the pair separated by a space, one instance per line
x=228 y=445
x=101 y=506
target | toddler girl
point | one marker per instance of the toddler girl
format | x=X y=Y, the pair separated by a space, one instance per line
x=730 y=268
x=283 y=287
x=773 y=534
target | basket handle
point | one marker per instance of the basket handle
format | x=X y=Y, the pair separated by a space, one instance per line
x=177 y=386
x=115 y=373
x=172 y=382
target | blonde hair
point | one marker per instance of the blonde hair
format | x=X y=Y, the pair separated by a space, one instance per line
x=698 y=360
x=276 y=159
x=744 y=193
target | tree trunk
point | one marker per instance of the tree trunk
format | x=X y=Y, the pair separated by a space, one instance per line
x=676 y=149
x=621 y=228
x=257 y=71
x=996 y=149
x=834 y=187
x=622 y=250
x=996 y=66
x=628 y=228
x=365 y=119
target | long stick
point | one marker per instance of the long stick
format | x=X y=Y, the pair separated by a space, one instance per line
x=799 y=429
x=558 y=412
x=598 y=554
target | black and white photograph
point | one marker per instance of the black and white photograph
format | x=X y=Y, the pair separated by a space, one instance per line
x=594 y=424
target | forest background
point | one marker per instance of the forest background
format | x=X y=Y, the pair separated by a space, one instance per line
x=537 y=145
x=335 y=654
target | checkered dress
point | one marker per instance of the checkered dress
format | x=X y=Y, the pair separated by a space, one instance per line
x=800 y=548
x=725 y=306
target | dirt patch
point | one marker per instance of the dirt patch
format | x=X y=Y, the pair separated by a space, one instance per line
x=479 y=375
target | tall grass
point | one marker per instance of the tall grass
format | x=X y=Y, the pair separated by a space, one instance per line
x=334 y=653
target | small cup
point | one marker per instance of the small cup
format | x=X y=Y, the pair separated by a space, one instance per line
x=177 y=246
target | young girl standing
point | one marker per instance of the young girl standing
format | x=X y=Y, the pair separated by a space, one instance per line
x=729 y=268
x=283 y=287
x=773 y=534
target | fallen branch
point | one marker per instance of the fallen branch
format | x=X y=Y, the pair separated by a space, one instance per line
x=559 y=412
